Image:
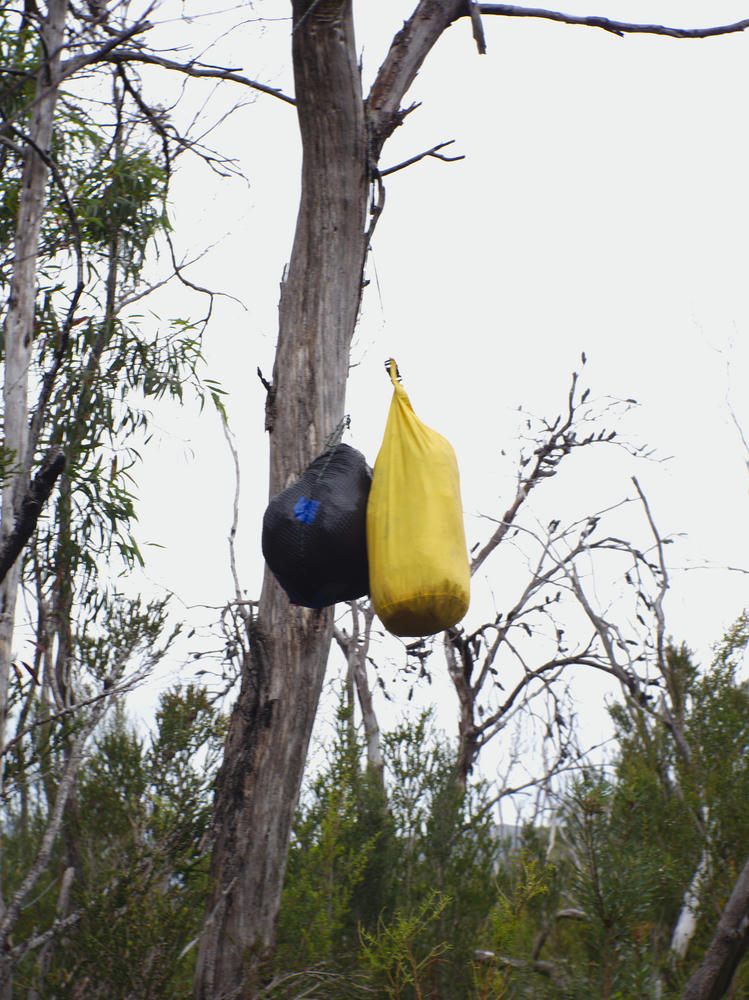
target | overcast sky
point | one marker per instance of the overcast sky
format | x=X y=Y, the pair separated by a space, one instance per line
x=601 y=206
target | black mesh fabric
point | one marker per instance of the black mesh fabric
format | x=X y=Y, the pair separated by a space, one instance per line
x=314 y=532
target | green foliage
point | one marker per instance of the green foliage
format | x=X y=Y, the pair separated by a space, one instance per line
x=134 y=824
x=387 y=890
x=632 y=842
x=113 y=784
x=133 y=628
x=138 y=831
x=511 y=928
x=410 y=894
x=393 y=951
x=588 y=915
x=123 y=198
x=332 y=840
x=625 y=880
x=719 y=730
x=96 y=368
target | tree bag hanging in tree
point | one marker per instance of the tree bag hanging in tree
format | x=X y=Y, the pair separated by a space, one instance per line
x=419 y=576
x=314 y=532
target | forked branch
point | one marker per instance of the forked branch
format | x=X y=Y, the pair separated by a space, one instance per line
x=431 y=18
x=434 y=151
x=570 y=431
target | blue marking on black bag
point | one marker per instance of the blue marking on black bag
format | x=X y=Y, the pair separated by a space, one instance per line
x=314 y=532
x=305 y=510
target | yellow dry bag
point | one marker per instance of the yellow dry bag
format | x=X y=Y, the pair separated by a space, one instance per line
x=419 y=577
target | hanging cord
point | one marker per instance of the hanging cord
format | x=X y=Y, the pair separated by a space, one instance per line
x=331 y=443
x=334 y=438
x=379 y=307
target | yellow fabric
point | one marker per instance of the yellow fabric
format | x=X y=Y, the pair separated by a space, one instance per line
x=419 y=577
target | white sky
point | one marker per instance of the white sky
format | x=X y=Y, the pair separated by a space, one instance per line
x=602 y=206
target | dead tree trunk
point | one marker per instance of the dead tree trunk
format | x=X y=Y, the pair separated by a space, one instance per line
x=258 y=785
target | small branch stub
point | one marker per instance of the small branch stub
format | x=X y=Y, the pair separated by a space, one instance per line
x=477 y=27
x=270 y=401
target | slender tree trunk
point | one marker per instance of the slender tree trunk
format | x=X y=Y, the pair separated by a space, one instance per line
x=355 y=648
x=19 y=322
x=686 y=924
x=358 y=666
x=713 y=977
x=19 y=336
x=459 y=665
x=258 y=786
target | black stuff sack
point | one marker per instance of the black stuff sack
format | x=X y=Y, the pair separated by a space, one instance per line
x=315 y=533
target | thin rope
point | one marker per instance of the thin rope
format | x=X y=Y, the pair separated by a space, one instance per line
x=334 y=438
x=331 y=444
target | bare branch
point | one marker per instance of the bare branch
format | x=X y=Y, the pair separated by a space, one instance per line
x=619 y=28
x=739 y=429
x=244 y=613
x=660 y=617
x=195 y=69
x=39 y=940
x=376 y=203
x=408 y=50
x=67 y=778
x=603 y=630
x=157 y=118
x=547 y=455
x=471 y=658
x=554 y=666
x=355 y=648
x=434 y=151
x=71 y=66
x=420 y=32
x=548 y=969
x=110 y=690
x=570 y=913
x=178 y=268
